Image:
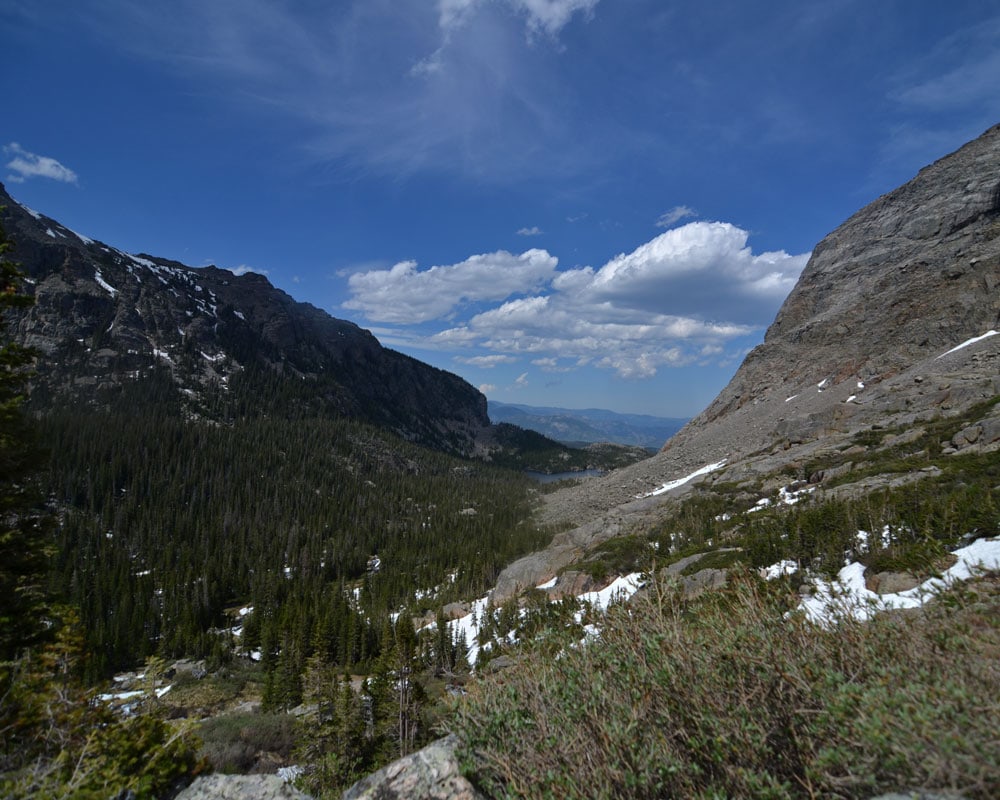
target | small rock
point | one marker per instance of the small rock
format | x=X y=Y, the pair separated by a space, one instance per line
x=891 y=582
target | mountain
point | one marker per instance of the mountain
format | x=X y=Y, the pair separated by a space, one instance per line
x=230 y=344
x=588 y=425
x=887 y=335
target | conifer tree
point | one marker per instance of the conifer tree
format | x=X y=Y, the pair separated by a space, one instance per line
x=24 y=548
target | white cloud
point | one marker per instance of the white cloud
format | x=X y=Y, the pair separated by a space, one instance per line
x=534 y=230
x=404 y=294
x=485 y=362
x=24 y=165
x=243 y=269
x=702 y=269
x=522 y=380
x=486 y=388
x=395 y=88
x=678 y=299
x=675 y=215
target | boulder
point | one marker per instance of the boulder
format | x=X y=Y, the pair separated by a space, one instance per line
x=704 y=580
x=241 y=787
x=429 y=774
x=891 y=582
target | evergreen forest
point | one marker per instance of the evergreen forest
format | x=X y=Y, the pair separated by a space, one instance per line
x=323 y=526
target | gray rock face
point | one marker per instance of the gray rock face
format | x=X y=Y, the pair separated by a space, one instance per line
x=241 y=787
x=908 y=277
x=429 y=774
x=863 y=338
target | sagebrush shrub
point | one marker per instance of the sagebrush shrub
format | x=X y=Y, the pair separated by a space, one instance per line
x=735 y=697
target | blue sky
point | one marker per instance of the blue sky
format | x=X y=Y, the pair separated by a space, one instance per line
x=581 y=203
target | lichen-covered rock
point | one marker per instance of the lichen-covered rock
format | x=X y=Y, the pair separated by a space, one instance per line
x=241 y=787
x=429 y=774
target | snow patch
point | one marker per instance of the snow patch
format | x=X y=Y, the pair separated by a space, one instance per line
x=80 y=236
x=848 y=597
x=681 y=481
x=784 y=567
x=966 y=343
x=104 y=284
x=618 y=591
x=30 y=211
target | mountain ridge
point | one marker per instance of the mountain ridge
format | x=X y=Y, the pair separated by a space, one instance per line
x=102 y=317
x=588 y=425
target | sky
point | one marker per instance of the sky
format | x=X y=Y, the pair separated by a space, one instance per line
x=574 y=203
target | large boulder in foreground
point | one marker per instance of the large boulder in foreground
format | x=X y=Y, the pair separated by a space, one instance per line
x=429 y=774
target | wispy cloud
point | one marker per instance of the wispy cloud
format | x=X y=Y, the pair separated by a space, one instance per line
x=373 y=85
x=24 y=165
x=541 y=16
x=675 y=215
x=486 y=362
x=534 y=230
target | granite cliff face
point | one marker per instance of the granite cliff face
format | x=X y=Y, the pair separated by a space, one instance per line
x=104 y=318
x=889 y=327
x=909 y=276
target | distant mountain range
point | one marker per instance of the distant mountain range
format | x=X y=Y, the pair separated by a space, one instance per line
x=588 y=425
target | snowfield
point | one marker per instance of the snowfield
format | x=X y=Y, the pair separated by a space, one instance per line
x=848 y=597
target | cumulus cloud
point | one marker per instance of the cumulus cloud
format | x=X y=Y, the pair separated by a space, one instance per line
x=486 y=388
x=534 y=230
x=406 y=294
x=24 y=165
x=675 y=215
x=678 y=299
x=702 y=269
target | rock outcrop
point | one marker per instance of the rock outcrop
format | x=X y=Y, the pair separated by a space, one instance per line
x=241 y=787
x=429 y=774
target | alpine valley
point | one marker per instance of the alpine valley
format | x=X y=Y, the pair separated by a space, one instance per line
x=312 y=551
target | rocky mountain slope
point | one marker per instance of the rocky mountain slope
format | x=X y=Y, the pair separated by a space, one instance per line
x=888 y=328
x=103 y=318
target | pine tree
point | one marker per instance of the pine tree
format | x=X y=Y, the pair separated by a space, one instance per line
x=24 y=550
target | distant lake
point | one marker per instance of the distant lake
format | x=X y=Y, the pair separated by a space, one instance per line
x=544 y=477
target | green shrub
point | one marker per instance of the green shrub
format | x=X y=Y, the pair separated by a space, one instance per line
x=230 y=743
x=734 y=698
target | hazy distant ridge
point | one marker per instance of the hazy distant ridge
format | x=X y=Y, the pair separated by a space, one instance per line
x=589 y=424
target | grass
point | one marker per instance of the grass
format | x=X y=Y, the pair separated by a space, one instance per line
x=733 y=698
